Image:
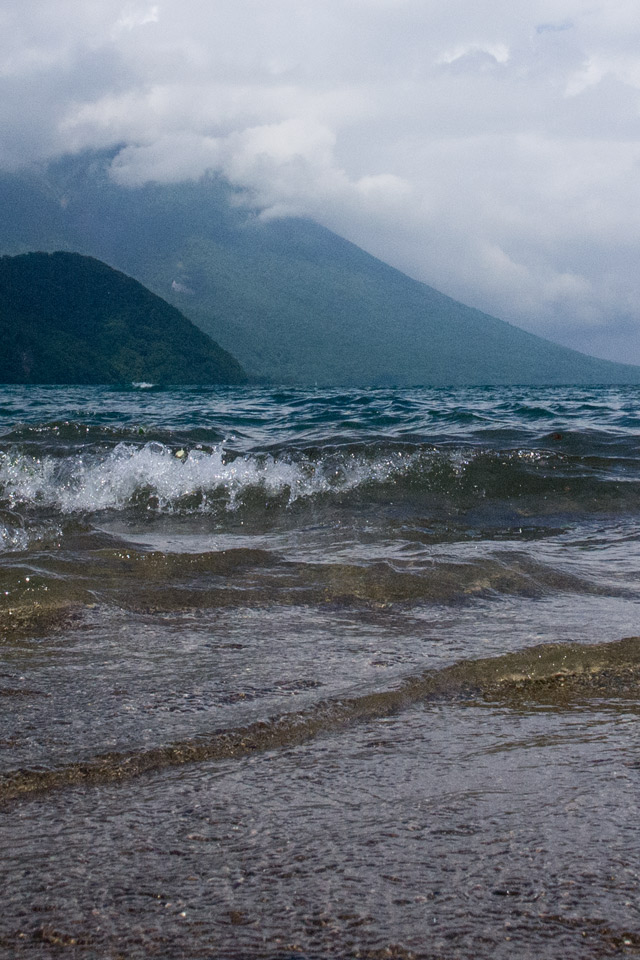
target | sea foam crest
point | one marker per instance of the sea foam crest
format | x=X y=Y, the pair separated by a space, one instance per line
x=12 y=537
x=164 y=479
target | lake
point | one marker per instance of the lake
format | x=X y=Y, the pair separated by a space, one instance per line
x=319 y=673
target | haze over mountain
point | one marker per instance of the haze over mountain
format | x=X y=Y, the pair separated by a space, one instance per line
x=291 y=300
x=65 y=318
x=488 y=149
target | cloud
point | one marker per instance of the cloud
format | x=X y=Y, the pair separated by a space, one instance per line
x=490 y=150
x=554 y=27
x=498 y=52
x=133 y=17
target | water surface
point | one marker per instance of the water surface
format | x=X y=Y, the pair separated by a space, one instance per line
x=319 y=673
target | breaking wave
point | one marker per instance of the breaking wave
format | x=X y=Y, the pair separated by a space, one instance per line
x=159 y=477
x=166 y=479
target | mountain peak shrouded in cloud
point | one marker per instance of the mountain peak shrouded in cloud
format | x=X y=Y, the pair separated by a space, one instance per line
x=491 y=150
x=294 y=302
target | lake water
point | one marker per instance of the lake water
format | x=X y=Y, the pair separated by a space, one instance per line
x=320 y=674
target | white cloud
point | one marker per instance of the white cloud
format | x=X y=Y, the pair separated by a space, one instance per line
x=497 y=51
x=136 y=17
x=492 y=150
x=167 y=159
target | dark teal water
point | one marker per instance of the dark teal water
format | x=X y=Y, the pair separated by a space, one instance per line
x=272 y=682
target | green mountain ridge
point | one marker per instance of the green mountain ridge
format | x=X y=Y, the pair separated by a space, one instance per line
x=67 y=318
x=294 y=302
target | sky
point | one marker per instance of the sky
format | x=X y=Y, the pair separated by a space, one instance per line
x=490 y=149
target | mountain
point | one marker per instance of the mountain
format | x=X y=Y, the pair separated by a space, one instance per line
x=66 y=318
x=294 y=302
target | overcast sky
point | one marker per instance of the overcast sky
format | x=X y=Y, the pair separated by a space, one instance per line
x=488 y=147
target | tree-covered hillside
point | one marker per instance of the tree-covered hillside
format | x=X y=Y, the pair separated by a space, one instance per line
x=292 y=301
x=66 y=318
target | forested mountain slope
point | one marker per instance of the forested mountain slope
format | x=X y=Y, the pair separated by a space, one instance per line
x=66 y=318
x=294 y=302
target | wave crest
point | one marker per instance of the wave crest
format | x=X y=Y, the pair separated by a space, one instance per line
x=161 y=478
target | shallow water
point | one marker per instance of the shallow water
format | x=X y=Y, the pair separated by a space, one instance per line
x=322 y=674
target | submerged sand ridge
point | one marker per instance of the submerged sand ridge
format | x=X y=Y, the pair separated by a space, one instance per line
x=550 y=674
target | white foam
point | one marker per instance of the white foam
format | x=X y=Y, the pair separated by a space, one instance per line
x=12 y=538
x=91 y=482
